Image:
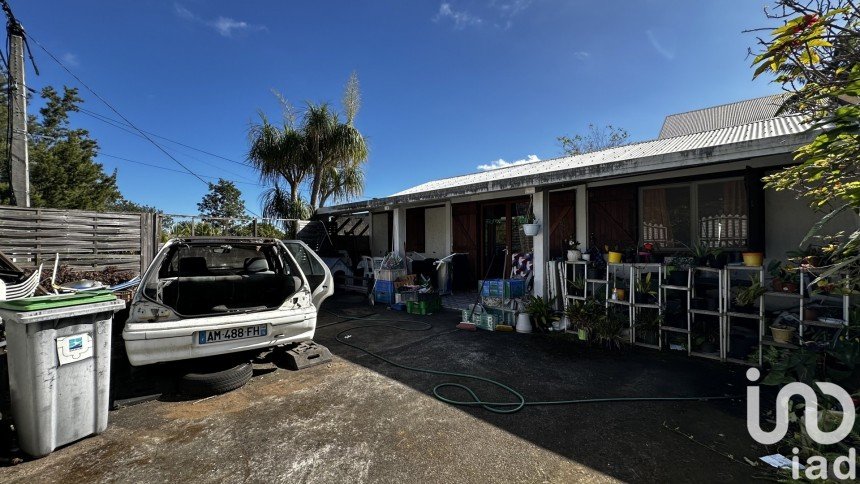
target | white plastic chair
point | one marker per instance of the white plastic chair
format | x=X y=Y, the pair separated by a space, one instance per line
x=26 y=288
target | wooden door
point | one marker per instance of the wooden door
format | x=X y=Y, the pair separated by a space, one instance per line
x=464 y=225
x=415 y=230
x=612 y=217
x=562 y=222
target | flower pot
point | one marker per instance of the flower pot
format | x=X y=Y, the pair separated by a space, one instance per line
x=524 y=323
x=753 y=259
x=810 y=314
x=573 y=255
x=677 y=278
x=619 y=294
x=582 y=334
x=613 y=257
x=586 y=257
x=531 y=229
x=782 y=335
x=779 y=285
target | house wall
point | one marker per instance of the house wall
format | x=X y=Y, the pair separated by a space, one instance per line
x=379 y=238
x=436 y=232
x=788 y=220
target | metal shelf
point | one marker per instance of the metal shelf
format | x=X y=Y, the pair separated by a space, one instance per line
x=647 y=305
x=823 y=324
x=791 y=295
x=673 y=329
x=770 y=342
x=706 y=312
x=646 y=345
x=618 y=301
x=674 y=288
x=736 y=314
x=712 y=356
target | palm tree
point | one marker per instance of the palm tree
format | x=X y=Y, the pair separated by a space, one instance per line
x=321 y=150
x=332 y=146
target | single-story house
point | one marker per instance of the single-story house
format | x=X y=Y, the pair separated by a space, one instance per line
x=699 y=181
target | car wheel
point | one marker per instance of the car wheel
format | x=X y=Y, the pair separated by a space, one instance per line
x=200 y=383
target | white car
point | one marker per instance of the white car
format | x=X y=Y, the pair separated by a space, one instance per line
x=205 y=296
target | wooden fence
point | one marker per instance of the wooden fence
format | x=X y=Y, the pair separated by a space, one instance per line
x=84 y=240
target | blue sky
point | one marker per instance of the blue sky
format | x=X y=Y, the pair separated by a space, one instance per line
x=446 y=85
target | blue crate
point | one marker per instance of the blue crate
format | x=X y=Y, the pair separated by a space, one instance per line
x=383 y=297
x=385 y=286
x=506 y=288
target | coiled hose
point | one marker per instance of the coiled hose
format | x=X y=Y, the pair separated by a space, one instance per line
x=496 y=407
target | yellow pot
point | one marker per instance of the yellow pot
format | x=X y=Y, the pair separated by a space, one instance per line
x=614 y=257
x=619 y=293
x=753 y=259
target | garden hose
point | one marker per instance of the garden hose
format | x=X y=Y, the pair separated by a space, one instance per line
x=496 y=407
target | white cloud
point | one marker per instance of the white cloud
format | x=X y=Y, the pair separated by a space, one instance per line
x=582 y=55
x=500 y=163
x=666 y=53
x=225 y=26
x=461 y=18
x=510 y=8
x=71 y=60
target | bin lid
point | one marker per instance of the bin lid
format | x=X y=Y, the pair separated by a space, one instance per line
x=41 y=303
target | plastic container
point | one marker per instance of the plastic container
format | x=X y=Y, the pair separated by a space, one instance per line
x=753 y=259
x=59 y=352
x=424 y=307
x=506 y=288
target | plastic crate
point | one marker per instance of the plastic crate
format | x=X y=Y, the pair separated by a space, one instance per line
x=503 y=316
x=391 y=274
x=423 y=307
x=503 y=288
x=383 y=297
x=419 y=296
x=480 y=319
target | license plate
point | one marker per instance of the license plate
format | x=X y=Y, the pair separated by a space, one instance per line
x=230 y=334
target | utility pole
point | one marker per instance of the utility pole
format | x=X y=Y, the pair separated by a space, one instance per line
x=19 y=162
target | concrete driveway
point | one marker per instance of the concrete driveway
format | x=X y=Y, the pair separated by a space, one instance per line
x=358 y=419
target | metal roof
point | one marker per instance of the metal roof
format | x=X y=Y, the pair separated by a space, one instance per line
x=723 y=116
x=761 y=138
x=753 y=131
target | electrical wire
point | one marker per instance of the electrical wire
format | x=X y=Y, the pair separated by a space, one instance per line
x=115 y=111
x=118 y=124
x=116 y=157
x=520 y=400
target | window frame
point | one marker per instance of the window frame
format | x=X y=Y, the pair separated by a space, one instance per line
x=694 y=210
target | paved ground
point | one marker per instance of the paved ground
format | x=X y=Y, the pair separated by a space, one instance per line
x=358 y=419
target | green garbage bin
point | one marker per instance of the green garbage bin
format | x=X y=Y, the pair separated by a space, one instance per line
x=59 y=366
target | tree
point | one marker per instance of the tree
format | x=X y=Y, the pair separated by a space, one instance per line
x=815 y=56
x=63 y=173
x=595 y=139
x=317 y=152
x=224 y=200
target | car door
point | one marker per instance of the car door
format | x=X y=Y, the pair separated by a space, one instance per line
x=316 y=272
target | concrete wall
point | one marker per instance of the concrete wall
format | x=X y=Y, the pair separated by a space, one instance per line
x=436 y=232
x=788 y=220
x=379 y=235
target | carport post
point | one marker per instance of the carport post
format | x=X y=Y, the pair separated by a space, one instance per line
x=398 y=232
x=540 y=242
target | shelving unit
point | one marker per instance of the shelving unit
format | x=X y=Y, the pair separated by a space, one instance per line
x=571 y=275
x=665 y=289
x=730 y=271
x=613 y=273
x=638 y=272
x=719 y=313
x=806 y=277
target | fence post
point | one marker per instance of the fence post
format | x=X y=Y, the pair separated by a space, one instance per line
x=255 y=227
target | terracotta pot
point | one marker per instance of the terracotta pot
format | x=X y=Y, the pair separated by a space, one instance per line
x=779 y=285
x=810 y=314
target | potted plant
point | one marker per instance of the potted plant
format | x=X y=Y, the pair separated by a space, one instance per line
x=808 y=257
x=541 y=312
x=573 y=252
x=645 y=291
x=747 y=296
x=782 y=333
x=613 y=254
x=531 y=227
x=577 y=286
x=677 y=269
x=785 y=278
x=606 y=330
x=648 y=326
x=576 y=313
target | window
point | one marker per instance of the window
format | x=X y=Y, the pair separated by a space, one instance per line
x=714 y=213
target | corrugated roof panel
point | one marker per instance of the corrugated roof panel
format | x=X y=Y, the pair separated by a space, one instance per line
x=767 y=128
x=726 y=115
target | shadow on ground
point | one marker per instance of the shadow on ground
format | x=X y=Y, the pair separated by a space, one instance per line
x=631 y=441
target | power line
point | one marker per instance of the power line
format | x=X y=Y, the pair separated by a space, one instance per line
x=108 y=120
x=110 y=106
x=174 y=170
x=115 y=124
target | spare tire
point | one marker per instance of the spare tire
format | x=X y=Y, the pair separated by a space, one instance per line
x=201 y=383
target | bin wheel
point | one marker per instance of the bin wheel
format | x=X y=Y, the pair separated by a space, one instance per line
x=204 y=383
